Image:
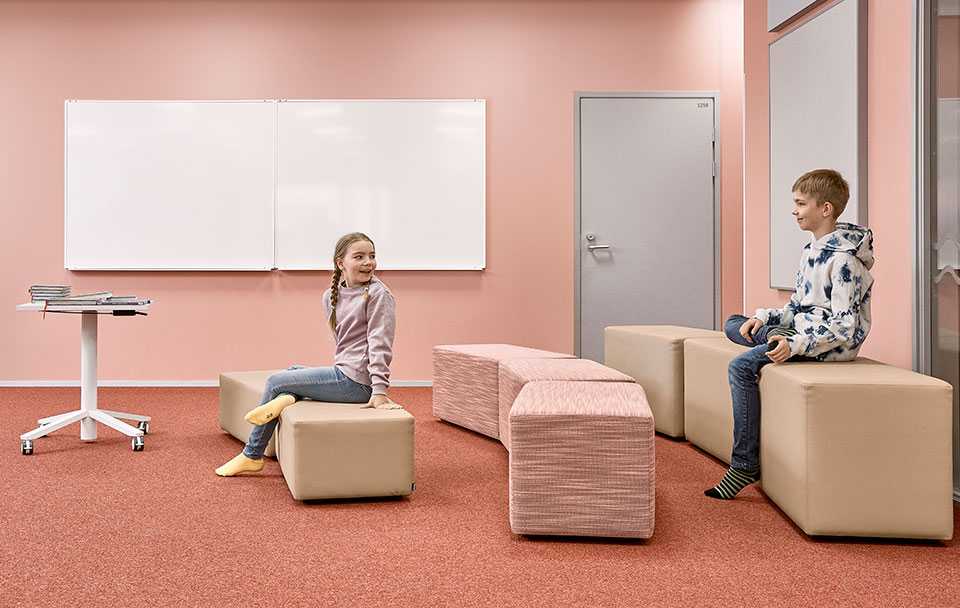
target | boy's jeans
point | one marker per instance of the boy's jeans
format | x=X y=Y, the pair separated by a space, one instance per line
x=316 y=383
x=744 y=375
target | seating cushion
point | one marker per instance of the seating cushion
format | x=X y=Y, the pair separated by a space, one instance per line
x=707 y=404
x=514 y=374
x=653 y=356
x=858 y=448
x=582 y=460
x=466 y=382
x=337 y=450
x=240 y=392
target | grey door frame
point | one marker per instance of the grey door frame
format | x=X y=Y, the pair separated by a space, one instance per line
x=578 y=242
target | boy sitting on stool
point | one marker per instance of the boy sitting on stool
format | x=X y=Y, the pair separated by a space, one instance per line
x=826 y=319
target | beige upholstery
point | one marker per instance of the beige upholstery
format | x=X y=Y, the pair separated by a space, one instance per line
x=240 y=392
x=582 y=461
x=514 y=374
x=858 y=449
x=327 y=450
x=332 y=450
x=708 y=407
x=466 y=382
x=653 y=356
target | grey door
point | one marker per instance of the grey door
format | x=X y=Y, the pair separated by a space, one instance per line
x=647 y=215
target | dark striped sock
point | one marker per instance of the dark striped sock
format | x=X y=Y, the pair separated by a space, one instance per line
x=731 y=484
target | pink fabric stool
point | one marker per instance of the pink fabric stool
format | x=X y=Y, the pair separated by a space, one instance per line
x=516 y=373
x=466 y=382
x=582 y=461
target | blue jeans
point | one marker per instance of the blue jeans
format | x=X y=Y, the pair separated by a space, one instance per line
x=316 y=383
x=744 y=376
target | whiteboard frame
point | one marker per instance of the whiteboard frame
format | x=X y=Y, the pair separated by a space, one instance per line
x=66 y=208
x=860 y=178
x=483 y=187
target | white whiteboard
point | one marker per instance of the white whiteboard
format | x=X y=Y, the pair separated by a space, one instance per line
x=409 y=173
x=948 y=183
x=169 y=185
x=817 y=105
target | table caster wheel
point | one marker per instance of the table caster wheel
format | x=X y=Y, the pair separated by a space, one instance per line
x=26 y=447
x=144 y=426
x=137 y=444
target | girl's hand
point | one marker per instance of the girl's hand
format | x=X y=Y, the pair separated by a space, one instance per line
x=382 y=402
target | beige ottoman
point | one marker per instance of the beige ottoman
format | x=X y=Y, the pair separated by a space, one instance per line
x=516 y=373
x=466 y=382
x=334 y=450
x=240 y=392
x=653 y=356
x=858 y=449
x=582 y=461
x=707 y=405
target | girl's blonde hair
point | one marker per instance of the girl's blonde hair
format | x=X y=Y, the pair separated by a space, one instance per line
x=338 y=254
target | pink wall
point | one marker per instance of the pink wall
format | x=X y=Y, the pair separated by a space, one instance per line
x=525 y=58
x=889 y=162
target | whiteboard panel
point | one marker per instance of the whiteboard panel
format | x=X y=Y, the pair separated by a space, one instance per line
x=948 y=183
x=169 y=185
x=816 y=112
x=781 y=11
x=409 y=173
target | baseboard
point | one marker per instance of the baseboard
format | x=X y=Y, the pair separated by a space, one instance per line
x=158 y=383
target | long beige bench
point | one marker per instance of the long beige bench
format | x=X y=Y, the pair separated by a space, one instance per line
x=327 y=450
x=653 y=356
x=849 y=449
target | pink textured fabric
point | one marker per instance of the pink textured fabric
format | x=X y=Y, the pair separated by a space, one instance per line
x=466 y=382
x=515 y=374
x=582 y=461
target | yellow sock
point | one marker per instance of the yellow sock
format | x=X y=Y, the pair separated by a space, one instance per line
x=268 y=411
x=240 y=464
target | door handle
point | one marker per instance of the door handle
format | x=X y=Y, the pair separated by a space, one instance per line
x=592 y=247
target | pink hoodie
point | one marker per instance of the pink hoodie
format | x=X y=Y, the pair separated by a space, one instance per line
x=364 y=333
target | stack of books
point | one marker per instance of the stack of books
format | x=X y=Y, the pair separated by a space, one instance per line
x=43 y=293
x=59 y=295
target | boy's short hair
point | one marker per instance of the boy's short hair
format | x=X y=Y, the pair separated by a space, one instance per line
x=824 y=185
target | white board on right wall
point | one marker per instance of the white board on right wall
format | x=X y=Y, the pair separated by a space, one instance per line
x=817 y=121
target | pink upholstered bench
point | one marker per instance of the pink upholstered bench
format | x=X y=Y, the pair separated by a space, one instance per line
x=582 y=460
x=466 y=382
x=514 y=374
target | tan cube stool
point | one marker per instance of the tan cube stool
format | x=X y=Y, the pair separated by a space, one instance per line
x=516 y=373
x=582 y=461
x=707 y=404
x=240 y=392
x=858 y=449
x=653 y=356
x=335 y=450
x=466 y=382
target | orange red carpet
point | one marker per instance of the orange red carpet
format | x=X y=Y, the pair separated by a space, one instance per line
x=98 y=524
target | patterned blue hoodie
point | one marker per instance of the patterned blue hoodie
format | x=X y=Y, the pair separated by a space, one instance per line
x=830 y=309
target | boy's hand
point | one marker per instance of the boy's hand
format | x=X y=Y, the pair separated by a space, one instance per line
x=382 y=402
x=750 y=327
x=781 y=352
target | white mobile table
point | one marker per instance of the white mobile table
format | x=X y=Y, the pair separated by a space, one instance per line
x=89 y=415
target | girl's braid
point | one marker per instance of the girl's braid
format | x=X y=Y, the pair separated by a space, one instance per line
x=334 y=296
